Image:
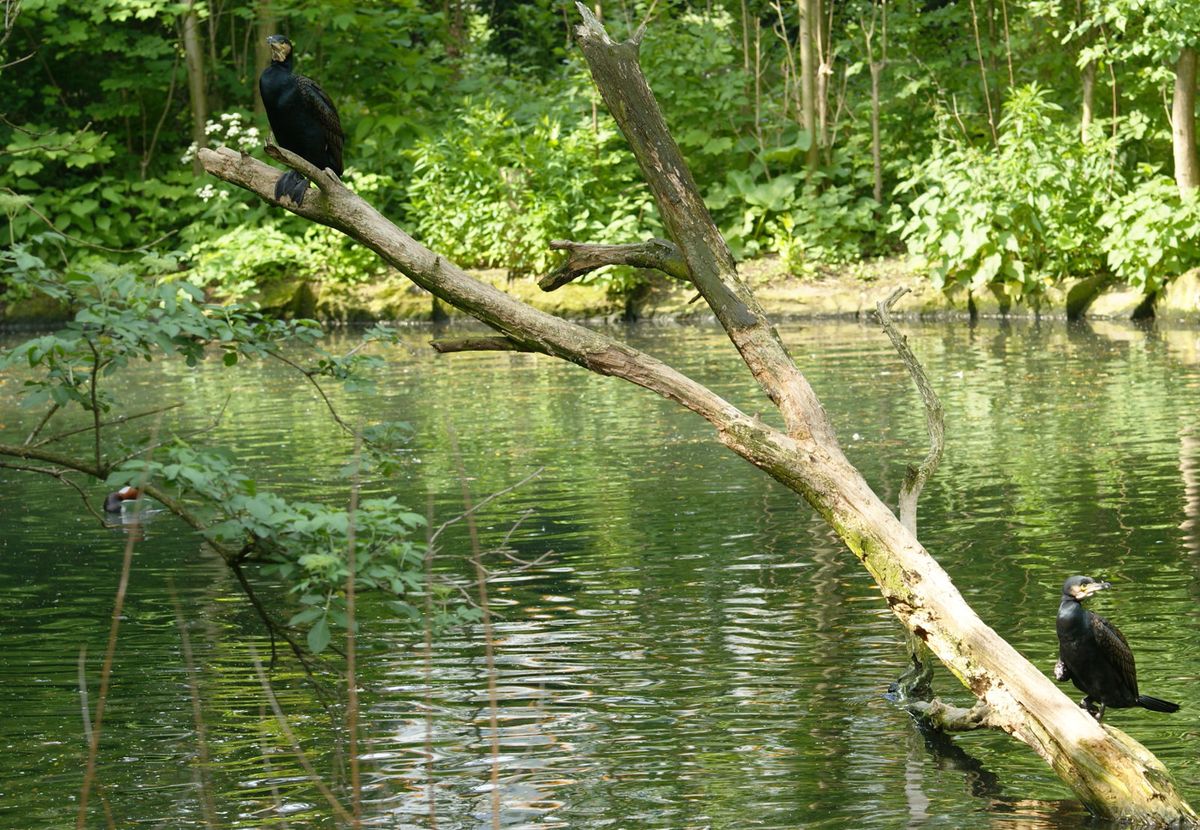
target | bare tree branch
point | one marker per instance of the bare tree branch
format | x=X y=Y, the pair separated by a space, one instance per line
x=479 y=344
x=585 y=257
x=618 y=75
x=916 y=681
x=915 y=477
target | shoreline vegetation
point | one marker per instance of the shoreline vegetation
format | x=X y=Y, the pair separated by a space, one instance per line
x=842 y=292
x=840 y=149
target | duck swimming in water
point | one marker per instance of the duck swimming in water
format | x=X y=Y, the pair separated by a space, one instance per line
x=115 y=502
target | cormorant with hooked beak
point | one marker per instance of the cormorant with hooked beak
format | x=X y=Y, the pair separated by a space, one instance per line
x=302 y=118
x=1093 y=654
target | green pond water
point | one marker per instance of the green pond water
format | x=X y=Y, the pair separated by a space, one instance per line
x=692 y=647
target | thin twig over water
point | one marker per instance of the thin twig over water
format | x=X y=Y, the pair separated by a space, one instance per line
x=189 y=662
x=89 y=774
x=488 y=638
x=428 y=668
x=297 y=750
x=352 y=641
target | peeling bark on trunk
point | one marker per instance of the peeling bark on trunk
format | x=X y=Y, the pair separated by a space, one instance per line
x=1114 y=777
x=1183 y=122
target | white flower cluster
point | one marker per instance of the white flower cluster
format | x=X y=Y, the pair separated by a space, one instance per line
x=208 y=192
x=227 y=131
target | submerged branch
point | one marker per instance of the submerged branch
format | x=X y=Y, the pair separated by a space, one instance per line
x=955 y=718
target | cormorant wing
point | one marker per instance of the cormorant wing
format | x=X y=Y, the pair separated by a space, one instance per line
x=1115 y=648
x=319 y=104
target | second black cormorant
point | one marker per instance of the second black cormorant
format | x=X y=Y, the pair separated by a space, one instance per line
x=1093 y=654
x=302 y=117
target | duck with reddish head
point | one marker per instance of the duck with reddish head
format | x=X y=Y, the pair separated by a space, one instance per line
x=115 y=502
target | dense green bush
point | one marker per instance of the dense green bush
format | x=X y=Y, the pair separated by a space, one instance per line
x=1153 y=234
x=494 y=187
x=479 y=129
x=1019 y=217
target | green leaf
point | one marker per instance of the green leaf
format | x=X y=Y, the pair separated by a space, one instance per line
x=318 y=637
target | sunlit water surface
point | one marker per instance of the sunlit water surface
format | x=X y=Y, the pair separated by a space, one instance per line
x=691 y=648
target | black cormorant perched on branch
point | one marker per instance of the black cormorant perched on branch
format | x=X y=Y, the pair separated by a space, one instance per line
x=1093 y=654
x=302 y=118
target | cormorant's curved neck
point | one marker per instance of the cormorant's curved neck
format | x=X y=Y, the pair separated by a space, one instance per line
x=1071 y=612
x=285 y=64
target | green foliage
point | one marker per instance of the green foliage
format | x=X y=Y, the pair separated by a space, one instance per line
x=1018 y=217
x=493 y=189
x=1153 y=234
x=479 y=129
x=122 y=318
x=805 y=224
x=306 y=544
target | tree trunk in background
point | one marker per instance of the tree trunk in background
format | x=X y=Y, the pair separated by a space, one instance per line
x=824 y=72
x=1088 y=81
x=876 y=150
x=197 y=95
x=808 y=79
x=1183 y=121
x=266 y=24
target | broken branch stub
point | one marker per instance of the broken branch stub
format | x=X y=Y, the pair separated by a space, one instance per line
x=584 y=257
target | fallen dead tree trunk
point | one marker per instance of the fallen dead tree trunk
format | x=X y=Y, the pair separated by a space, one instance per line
x=1112 y=774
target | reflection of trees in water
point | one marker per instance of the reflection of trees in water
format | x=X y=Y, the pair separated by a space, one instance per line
x=1189 y=468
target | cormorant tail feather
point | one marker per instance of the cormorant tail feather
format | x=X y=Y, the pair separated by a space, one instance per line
x=1156 y=705
x=293 y=185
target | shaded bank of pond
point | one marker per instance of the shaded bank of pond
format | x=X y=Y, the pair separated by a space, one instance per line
x=849 y=291
x=694 y=649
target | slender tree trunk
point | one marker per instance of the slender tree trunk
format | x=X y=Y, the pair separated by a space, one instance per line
x=1183 y=122
x=197 y=93
x=808 y=75
x=215 y=102
x=1088 y=83
x=266 y=24
x=746 y=36
x=824 y=73
x=876 y=148
x=983 y=78
x=876 y=68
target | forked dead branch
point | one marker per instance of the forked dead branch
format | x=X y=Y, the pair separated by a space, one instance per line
x=1113 y=775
